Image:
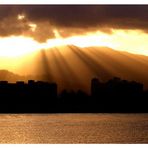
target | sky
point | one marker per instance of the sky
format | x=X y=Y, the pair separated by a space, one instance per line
x=27 y=30
x=121 y=27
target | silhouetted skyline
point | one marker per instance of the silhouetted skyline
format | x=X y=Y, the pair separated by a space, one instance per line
x=115 y=95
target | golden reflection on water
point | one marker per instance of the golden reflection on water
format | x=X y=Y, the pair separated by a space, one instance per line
x=74 y=128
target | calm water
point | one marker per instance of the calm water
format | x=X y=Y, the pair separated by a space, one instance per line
x=74 y=128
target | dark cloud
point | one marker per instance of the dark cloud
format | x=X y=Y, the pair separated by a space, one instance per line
x=76 y=18
x=43 y=32
x=118 y=16
x=11 y=26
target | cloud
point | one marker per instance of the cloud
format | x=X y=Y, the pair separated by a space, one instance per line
x=42 y=32
x=71 y=19
x=120 y=16
x=16 y=23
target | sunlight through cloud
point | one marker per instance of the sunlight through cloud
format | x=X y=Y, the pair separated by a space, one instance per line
x=21 y=16
x=32 y=27
x=128 y=40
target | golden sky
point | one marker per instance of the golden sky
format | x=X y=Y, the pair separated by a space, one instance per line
x=27 y=31
x=132 y=41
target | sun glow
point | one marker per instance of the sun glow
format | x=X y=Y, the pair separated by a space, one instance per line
x=130 y=41
x=23 y=54
x=17 y=46
x=20 y=16
x=32 y=27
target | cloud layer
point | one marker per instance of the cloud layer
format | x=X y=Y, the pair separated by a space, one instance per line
x=70 y=19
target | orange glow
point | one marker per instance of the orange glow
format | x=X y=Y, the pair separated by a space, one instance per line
x=130 y=41
x=20 y=16
x=17 y=46
x=26 y=56
x=32 y=26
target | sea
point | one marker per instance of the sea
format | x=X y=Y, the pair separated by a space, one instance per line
x=74 y=128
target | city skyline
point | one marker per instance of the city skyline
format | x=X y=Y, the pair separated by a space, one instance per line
x=43 y=97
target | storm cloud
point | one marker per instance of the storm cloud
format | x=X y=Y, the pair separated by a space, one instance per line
x=76 y=19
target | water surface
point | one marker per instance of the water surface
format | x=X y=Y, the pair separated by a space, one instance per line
x=74 y=128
